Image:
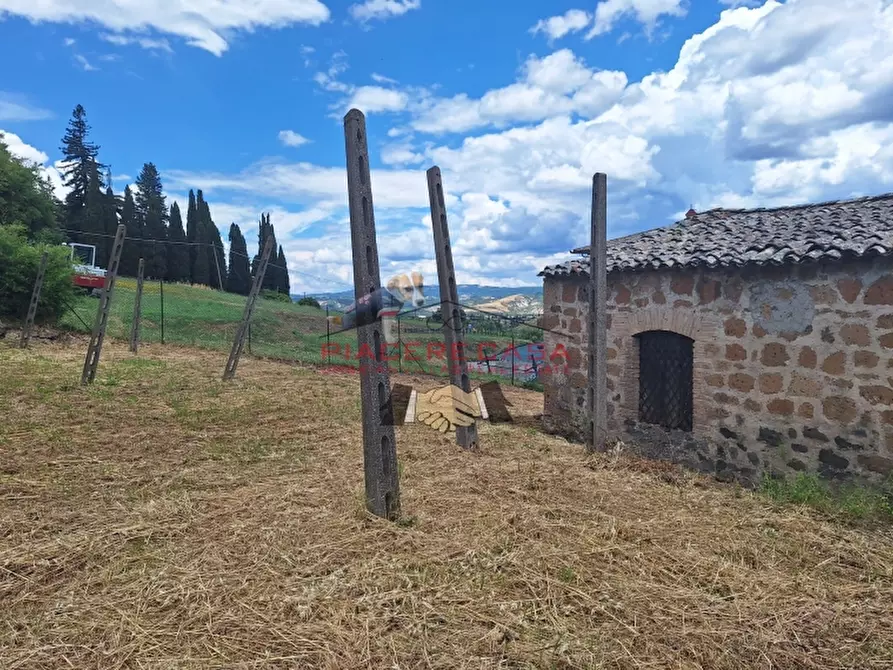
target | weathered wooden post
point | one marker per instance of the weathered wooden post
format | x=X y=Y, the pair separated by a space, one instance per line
x=137 y=300
x=102 y=311
x=379 y=444
x=598 y=287
x=35 y=299
x=454 y=326
x=239 y=340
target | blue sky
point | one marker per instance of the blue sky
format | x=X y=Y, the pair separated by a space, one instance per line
x=708 y=103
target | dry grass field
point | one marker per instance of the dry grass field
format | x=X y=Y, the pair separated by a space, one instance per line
x=163 y=519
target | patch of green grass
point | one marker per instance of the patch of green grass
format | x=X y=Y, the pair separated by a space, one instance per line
x=196 y=316
x=855 y=502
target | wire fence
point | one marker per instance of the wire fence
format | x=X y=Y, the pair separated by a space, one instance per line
x=508 y=348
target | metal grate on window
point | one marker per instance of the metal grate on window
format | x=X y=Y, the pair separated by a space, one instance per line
x=665 y=379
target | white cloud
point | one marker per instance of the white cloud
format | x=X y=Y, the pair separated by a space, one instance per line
x=557 y=84
x=371 y=99
x=144 y=42
x=292 y=139
x=382 y=9
x=68 y=41
x=556 y=27
x=781 y=104
x=646 y=12
x=84 y=63
x=206 y=24
x=34 y=156
x=15 y=107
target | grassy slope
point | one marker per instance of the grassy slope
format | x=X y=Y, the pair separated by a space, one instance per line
x=200 y=317
x=163 y=519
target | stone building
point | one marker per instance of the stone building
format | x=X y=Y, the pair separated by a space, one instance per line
x=740 y=342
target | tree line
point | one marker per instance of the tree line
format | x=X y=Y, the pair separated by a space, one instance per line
x=195 y=254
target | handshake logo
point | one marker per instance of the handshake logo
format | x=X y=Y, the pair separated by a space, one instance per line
x=446 y=407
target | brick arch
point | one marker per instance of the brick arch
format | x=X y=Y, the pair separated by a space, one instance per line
x=683 y=322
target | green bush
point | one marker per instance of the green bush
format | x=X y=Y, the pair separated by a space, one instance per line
x=309 y=301
x=19 y=262
x=268 y=294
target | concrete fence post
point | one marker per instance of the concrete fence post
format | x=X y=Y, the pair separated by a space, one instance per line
x=379 y=443
x=453 y=324
x=35 y=299
x=598 y=298
x=137 y=311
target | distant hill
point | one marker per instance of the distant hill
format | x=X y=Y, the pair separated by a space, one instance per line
x=509 y=300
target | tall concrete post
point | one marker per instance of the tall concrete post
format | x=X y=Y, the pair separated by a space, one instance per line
x=137 y=311
x=91 y=361
x=454 y=326
x=35 y=299
x=379 y=443
x=242 y=331
x=598 y=298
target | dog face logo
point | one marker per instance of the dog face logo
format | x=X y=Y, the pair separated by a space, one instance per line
x=408 y=289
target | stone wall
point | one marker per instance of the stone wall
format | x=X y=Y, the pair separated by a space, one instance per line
x=793 y=366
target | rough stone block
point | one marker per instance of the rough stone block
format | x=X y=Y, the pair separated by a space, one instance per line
x=741 y=382
x=771 y=382
x=880 y=292
x=834 y=364
x=774 y=354
x=781 y=406
x=866 y=359
x=804 y=386
x=839 y=408
x=877 y=395
x=854 y=333
x=808 y=358
x=735 y=352
x=735 y=327
x=805 y=410
x=682 y=284
x=849 y=289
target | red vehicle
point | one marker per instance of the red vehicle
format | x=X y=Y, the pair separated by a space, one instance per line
x=86 y=273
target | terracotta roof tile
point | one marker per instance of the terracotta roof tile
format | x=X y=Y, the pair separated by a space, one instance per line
x=737 y=237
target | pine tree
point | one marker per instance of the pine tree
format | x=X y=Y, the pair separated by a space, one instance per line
x=151 y=207
x=111 y=208
x=92 y=217
x=177 y=251
x=132 y=250
x=284 y=282
x=192 y=234
x=238 y=278
x=80 y=159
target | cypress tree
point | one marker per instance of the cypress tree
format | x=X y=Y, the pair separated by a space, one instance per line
x=284 y=282
x=201 y=270
x=80 y=160
x=192 y=234
x=177 y=251
x=271 y=280
x=151 y=207
x=132 y=250
x=238 y=278
x=212 y=244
